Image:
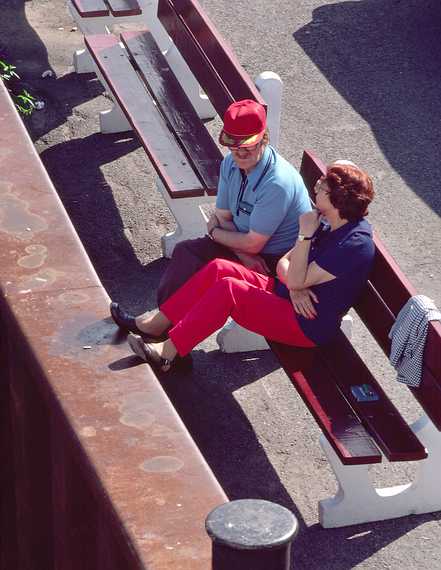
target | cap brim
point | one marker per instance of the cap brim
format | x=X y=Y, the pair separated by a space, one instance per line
x=227 y=139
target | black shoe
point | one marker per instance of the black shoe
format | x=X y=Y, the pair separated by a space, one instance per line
x=127 y=323
x=148 y=353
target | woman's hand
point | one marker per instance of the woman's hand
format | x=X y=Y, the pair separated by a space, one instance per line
x=309 y=222
x=303 y=302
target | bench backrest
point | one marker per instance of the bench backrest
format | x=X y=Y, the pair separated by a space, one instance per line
x=211 y=60
x=387 y=292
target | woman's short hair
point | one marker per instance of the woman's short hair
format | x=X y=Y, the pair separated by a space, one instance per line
x=350 y=190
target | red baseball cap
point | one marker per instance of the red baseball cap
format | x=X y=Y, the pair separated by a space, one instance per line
x=244 y=124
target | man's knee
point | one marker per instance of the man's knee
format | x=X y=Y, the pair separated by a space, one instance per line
x=181 y=248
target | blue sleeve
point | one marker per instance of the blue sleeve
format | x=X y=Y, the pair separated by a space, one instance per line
x=270 y=209
x=222 y=201
x=355 y=252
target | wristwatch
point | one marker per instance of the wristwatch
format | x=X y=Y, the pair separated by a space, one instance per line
x=301 y=237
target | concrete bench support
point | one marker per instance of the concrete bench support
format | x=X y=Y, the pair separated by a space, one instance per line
x=358 y=501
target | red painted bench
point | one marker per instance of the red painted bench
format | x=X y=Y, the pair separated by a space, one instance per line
x=357 y=434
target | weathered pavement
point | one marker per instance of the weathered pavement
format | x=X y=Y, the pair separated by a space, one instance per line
x=361 y=82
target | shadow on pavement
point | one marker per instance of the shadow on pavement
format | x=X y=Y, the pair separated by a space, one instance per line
x=345 y=548
x=21 y=46
x=384 y=59
x=90 y=204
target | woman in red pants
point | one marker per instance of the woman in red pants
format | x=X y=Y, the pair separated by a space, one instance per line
x=317 y=281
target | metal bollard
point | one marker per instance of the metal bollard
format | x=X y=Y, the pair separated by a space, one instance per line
x=251 y=534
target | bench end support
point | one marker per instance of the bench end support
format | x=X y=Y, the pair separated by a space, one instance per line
x=358 y=501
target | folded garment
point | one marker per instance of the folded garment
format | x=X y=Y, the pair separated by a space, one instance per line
x=408 y=335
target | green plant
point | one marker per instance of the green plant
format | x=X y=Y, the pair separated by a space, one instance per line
x=23 y=100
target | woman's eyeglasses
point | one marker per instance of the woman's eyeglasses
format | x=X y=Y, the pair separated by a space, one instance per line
x=320 y=185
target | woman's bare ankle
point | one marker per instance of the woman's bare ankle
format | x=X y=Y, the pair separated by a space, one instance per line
x=155 y=324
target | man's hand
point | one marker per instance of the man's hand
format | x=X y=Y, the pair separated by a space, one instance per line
x=253 y=262
x=303 y=302
x=212 y=222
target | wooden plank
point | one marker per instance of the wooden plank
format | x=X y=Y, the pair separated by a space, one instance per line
x=166 y=155
x=210 y=59
x=337 y=420
x=311 y=169
x=175 y=106
x=381 y=418
x=120 y=8
x=91 y=8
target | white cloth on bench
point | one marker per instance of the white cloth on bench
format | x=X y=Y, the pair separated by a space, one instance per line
x=408 y=335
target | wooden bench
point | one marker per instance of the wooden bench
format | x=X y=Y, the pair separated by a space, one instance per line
x=98 y=471
x=357 y=434
x=151 y=100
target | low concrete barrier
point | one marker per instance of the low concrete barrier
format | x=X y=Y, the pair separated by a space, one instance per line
x=98 y=470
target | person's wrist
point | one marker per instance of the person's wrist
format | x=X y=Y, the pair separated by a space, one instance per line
x=210 y=233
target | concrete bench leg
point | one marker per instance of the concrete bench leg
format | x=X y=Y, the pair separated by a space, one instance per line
x=83 y=62
x=358 y=501
x=270 y=87
x=234 y=338
x=189 y=216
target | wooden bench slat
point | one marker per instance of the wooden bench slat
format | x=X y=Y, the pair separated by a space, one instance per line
x=213 y=63
x=165 y=153
x=311 y=169
x=339 y=423
x=91 y=8
x=381 y=418
x=120 y=8
x=175 y=106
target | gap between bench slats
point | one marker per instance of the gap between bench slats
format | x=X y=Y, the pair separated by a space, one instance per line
x=340 y=425
x=175 y=107
x=216 y=69
x=161 y=146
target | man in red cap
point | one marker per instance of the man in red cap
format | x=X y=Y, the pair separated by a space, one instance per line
x=260 y=198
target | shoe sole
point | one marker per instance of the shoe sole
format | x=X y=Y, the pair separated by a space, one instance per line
x=137 y=345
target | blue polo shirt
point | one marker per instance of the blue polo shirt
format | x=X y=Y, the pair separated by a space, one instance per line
x=268 y=201
x=347 y=253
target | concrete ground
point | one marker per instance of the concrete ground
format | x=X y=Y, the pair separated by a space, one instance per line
x=361 y=81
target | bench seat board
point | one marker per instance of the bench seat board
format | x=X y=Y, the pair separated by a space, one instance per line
x=161 y=146
x=212 y=62
x=120 y=8
x=175 y=106
x=91 y=8
x=340 y=425
x=381 y=418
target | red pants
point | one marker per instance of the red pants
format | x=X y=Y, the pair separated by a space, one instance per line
x=224 y=288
